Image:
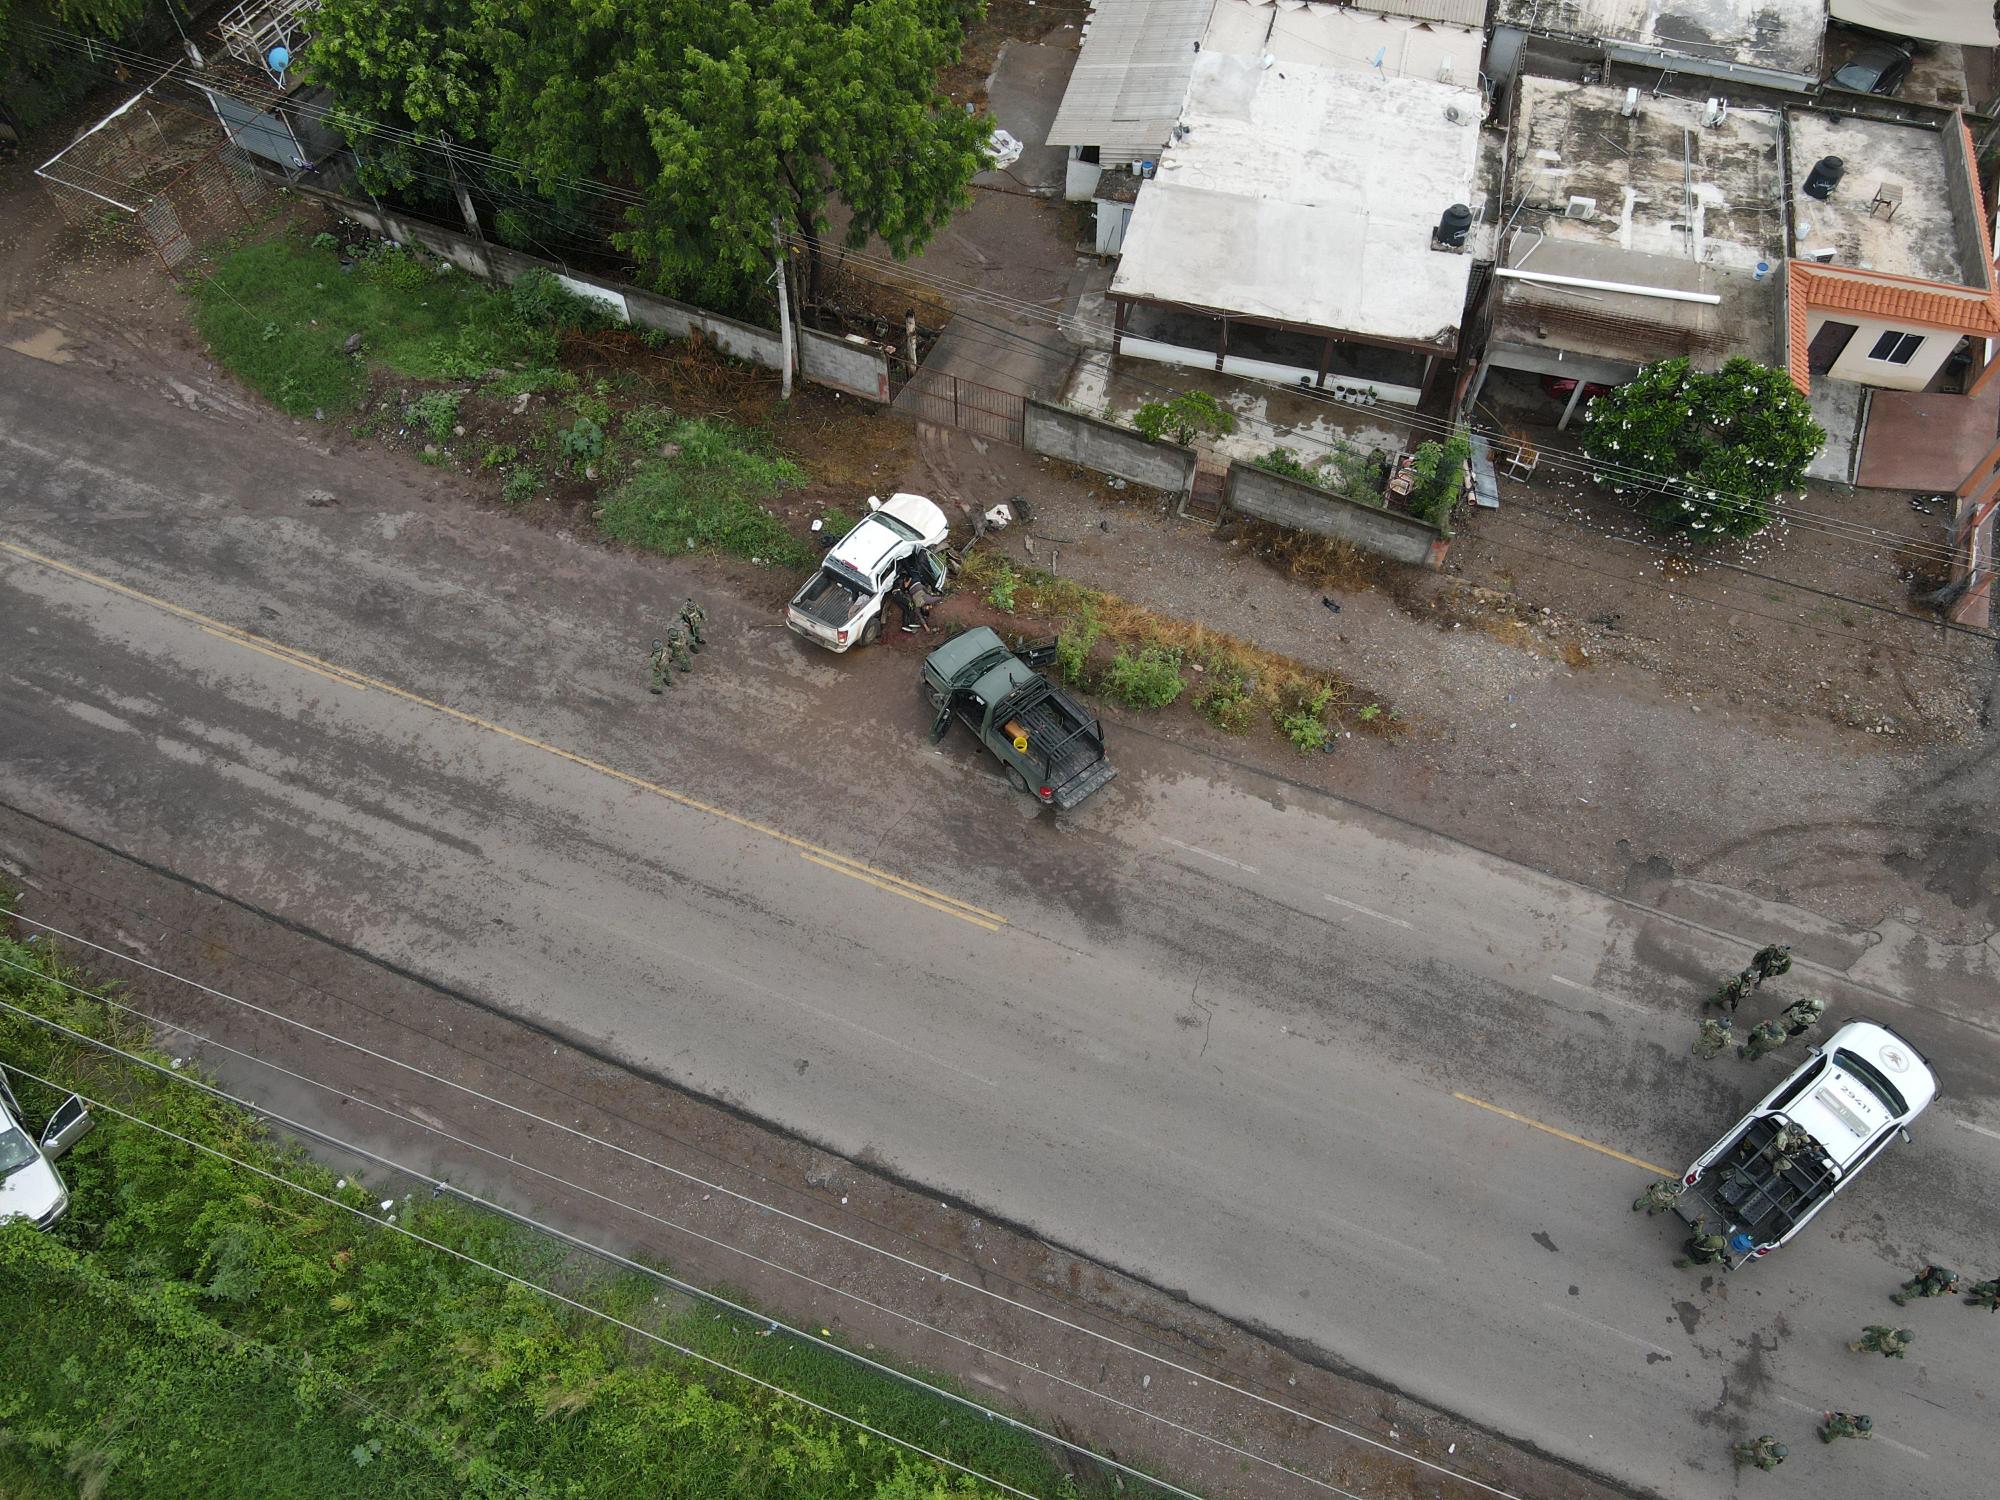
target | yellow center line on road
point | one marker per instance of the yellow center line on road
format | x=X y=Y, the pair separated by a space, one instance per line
x=952 y=911
x=910 y=890
x=1575 y=1140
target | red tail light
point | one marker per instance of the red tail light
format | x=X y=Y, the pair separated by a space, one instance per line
x=840 y=637
x=1045 y=793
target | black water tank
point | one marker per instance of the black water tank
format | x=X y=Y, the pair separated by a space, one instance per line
x=1452 y=227
x=1825 y=177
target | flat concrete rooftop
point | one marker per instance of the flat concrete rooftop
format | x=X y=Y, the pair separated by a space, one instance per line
x=1784 y=35
x=1664 y=184
x=1933 y=234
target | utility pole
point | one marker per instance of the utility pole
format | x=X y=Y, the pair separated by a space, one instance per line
x=784 y=310
x=458 y=191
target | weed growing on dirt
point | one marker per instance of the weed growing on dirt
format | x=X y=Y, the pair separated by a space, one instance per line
x=279 y=312
x=582 y=442
x=499 y=456
x=1002 y=587
x=1226 y=702
x=521 y=485
x=709 y=497
x=534 y=381
x=194 y=1328
x=436 y=412
x=646 y=429
x=1073 y=649
x=1149 y=677
x=1304 y=724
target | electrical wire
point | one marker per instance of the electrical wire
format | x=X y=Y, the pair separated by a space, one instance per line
x=1833 y=526
x=161 y=1023
x=684 y=1350
x=910 y=1263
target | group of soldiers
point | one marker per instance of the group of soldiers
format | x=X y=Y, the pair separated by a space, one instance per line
x=1766 y=1452
x=1769 y=962
x=674 y=651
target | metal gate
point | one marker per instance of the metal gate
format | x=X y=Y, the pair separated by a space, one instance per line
x=947 y=400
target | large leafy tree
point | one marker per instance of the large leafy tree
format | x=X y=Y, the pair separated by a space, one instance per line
x=1706 y=453
x=711 y=118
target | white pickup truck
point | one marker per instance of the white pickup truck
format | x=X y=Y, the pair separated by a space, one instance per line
x=1809 y=1138
x=842 y=604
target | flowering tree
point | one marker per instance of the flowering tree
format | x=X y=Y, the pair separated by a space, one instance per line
x=1705 y=453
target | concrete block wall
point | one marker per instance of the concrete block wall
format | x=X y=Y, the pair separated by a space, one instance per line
x=1304 y=507
x=824 y=359
x=1065 y=434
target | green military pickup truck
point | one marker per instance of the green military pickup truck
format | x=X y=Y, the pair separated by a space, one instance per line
x=1043 y=737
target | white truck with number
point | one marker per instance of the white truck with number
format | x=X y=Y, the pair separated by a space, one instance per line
x=1809 y=1138
x=842 y=604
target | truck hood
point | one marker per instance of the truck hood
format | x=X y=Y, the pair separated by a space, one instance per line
x=31 y=1191
x=1842 y=1107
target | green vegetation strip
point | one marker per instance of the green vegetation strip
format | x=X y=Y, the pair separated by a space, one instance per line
x=191 y=1328
x=708 y=497
x=1142 y=659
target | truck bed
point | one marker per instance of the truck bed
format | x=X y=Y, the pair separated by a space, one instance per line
x=1743 y=1190
x=1048 y=722
x=828 y=598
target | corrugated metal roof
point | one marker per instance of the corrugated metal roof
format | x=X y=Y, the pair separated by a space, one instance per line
x=1457 y=12
x=1131 y=75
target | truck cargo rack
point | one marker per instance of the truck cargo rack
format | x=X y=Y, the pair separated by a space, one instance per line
x=1745 y=1191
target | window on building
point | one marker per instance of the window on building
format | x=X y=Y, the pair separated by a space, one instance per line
x=1896 y=348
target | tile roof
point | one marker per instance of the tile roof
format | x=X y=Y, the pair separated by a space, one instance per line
x=1813 y=287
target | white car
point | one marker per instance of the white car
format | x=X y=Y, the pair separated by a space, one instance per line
x=841 y=605
x=1808 y=1139
x=29 y=1185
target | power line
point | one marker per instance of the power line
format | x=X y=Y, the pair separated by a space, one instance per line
x=684 y=1350
x=1831 y=526
x=575 y=1241
x=922 y=1267
x=163 y=1024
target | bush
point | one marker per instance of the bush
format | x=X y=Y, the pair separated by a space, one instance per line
x=436 y=412
x=1147 y=678
x=1187 y=415
x=647 y=428
x=499 y=456
x=1437 y=473
x=582 y=443
x=398 y=269
x=542 y=301
x=1305 y=723
x=521 y=485
x=1073 y=650
x=1001 y=591
x=1705 y=453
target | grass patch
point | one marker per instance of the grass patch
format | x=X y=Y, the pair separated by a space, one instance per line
x=1239 y=682
x=278 y=313
x=709 y=497
x=191 y=1328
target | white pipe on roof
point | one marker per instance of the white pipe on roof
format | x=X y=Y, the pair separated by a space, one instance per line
x=1548 y=279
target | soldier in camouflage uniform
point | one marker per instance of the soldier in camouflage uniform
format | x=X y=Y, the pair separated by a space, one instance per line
x=693 y=617
x=1657 y=1198
x=1702 y=1249
x=661 y=682
x=1985 y=1294
x=1802 y=1015
x=1765 y=1452
x=1840 y=1424
x=1733 y=992
x=1765 y=1037
x=1931 y=1281
x=677 y=647
x=1887 y=1342
x=1715 y=1035
x=1771 y=960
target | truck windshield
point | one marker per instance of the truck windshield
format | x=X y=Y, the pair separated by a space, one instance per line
x=1872 y=1079
x=16 y=1150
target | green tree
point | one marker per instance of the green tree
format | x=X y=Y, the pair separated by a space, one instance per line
x=41 y=71
x=717 y=117
x=1706 y=453
x=1437 y=474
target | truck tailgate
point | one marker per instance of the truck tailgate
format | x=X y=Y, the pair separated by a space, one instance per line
x=1083 y=785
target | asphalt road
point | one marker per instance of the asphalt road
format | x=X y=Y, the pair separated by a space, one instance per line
x=1217 y=1030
